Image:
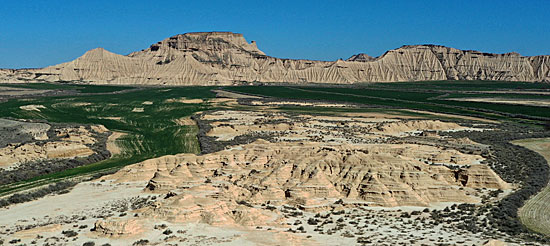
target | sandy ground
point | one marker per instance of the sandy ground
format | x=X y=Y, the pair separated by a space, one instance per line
x=99 y=201
x=185 y=100
x=137 y=110
x=301 y=104
x=111 y=143
x=60 y=212
x=322 y=182
x=185 y=121
x=112 y=118
x=222 y=93
x=70 y=142
x=13 y=91
x=454 y=116
x=32 y=107
x=366 y=127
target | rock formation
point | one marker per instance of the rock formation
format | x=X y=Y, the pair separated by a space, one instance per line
x=27 y=143
x=277 y=179
x=362 y=57
x=309 y=174
x=360 y=167
x=115 y=228
x=208 y=58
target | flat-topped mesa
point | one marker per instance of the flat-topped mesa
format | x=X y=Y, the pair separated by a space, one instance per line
x=225 y=58
x=229 y=37
x=207 y=42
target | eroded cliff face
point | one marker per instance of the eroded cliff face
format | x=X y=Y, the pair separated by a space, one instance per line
x=309 y=173
x=208 y=58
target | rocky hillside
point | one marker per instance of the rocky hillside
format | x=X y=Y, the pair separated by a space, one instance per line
x=208 y=58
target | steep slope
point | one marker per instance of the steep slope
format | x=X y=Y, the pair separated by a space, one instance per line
x=207 y=58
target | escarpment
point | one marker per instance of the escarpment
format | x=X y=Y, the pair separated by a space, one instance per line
x=224 y=58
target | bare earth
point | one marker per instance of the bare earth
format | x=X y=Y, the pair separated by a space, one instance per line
x=316 y=180
x=112 y=145
x=73 y=142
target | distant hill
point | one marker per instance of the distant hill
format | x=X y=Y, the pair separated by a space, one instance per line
x=223 y=58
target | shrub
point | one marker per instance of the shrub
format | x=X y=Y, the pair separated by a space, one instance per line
x=69 y=233
x=416 y=212
x=141 y=242
x=14 y=241
x=312 y=221
x=29 y=196
x=245 y=203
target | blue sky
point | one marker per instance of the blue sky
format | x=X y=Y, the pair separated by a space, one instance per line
x=37 y=33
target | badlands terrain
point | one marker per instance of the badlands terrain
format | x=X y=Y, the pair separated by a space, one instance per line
x=420 y=163
x=225 y=58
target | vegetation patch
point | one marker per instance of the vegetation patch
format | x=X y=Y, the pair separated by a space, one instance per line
x=149 y=134
x=429 y=96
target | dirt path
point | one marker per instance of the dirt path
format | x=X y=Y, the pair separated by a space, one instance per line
x=230 y=94
x=112 y=146
x=535 y=214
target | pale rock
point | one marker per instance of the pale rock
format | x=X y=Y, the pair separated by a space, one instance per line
x=216 y=58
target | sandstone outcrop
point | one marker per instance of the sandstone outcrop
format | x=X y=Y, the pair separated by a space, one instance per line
x=208 y=58
x=278 y=179
x=362 y=57
x=309 y=174
x=118 y=228
x=67 y=142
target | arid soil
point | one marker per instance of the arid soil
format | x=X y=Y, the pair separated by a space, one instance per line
x=14 y=92
x=28 y=149
x=270 y=177
x=111 y=145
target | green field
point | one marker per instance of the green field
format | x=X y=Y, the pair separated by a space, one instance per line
x=150 y=134
x=429 y=96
